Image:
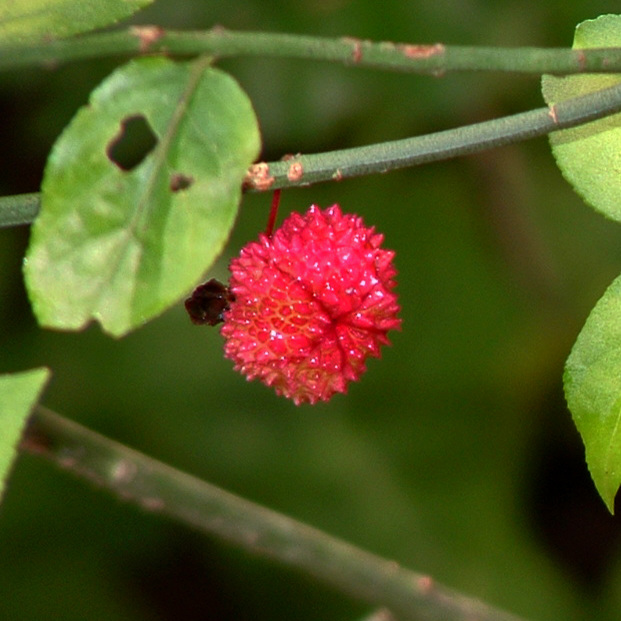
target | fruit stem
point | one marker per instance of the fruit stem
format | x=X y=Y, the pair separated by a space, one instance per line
x=273 y=212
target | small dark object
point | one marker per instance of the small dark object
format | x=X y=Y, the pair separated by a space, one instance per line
x=179 y=182
x=208 y=303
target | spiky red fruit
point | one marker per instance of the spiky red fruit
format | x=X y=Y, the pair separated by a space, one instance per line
x=311 y=303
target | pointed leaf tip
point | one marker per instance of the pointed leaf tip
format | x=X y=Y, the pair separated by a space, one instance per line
x=42 y=20
x=18 y=395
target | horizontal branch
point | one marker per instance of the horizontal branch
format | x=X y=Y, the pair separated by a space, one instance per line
x=158 y=488
x=435 y=59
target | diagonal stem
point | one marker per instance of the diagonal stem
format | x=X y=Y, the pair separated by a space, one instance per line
x=383 y=157
x=159 y=488
x=387 y=156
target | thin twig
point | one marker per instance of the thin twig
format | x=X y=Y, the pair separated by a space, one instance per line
x=18 y=209
x=387 y=156
x=159 y=488
x=435 y=59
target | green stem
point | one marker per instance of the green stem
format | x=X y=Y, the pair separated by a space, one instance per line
x=386 y=156
x=427 y=59
x=161 y=489
x=18 y=209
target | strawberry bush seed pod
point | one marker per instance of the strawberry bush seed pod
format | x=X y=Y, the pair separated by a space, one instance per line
x=309 y=303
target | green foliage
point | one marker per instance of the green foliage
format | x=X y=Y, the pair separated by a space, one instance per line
x=590 y=155
x=590 y=158
x=593 y=389
x=18 y=394
x=120 y=243
x=34 y=20
x=378 y=466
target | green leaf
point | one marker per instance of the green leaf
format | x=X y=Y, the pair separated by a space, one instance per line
x=590 y=155
x=593 y=391
x=27 y=21
x=120 y=246
x=18 y=394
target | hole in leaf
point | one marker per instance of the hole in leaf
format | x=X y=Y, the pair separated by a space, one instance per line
x=132 y=144
x=179 y=182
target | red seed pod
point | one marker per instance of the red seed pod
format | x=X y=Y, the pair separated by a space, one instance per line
x=310 y=304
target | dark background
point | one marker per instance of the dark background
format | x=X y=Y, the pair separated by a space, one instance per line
x=455 y=455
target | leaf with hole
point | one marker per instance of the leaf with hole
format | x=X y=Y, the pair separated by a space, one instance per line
x=139 y=195
x=30 y=21
x=18 y=394
x=589 y=155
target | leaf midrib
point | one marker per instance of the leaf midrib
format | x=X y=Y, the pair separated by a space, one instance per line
x=158 y=156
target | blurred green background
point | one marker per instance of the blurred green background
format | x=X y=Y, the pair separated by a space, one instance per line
x=455 y=455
